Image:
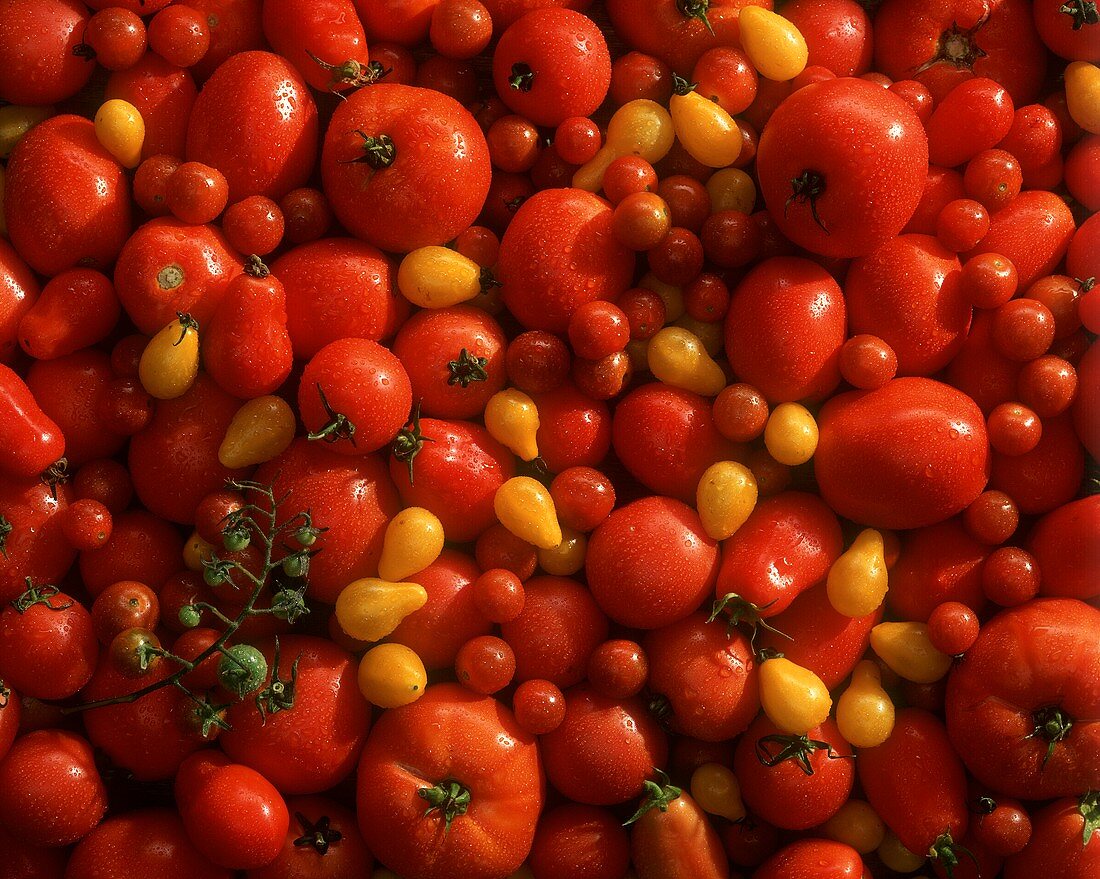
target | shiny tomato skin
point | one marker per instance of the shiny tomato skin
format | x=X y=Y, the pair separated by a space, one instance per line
x=1049 y=475
x=19 y=291
x=837 y=33
x=37 y=63
x=572 y=838
x=1033 y=231
x=813 y=859
x=256 y=122
x=1088 y=398
x=784 y=329
x=574 y=430
x=331 y=30
x=991 y=712
x=142 y=547
x=435 y=184
x=450 y=734
x=1057 y=848
x=910 y=453
x=235 y=26
x=26 y=861
x=164 y=95
x=677 y=843
x=36 y=546
x=322 y=857
x=49 y=650
x=559 y=253
x=405 y=22
x=66 y=199
x=937 y=563
x=980 y=371
x=867 y=198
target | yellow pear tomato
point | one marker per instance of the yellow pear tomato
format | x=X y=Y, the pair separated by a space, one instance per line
x=369 y=609
x=413 y=540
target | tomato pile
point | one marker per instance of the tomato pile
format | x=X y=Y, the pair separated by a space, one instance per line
x=549 y=439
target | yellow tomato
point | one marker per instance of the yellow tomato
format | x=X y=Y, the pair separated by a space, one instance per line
x=15 y=121
x=437 y=277
x=369 y=609
x=858 y=581
x=413 y=540
x=793 y=697
x=906 y=649
x=731 y=189
x=567 y=557
x=864 y=713
x=512 y=419
x=791 y=434
x=678 y=358
x=673 y=297
x=774 y=45
x=169 y=364
x=897 y=857
x=391 y=675
x=715 y=788
x=261 y=429
x=857 y=825
x=712 y=335
x=725 y=497
x=524 y=506
x=1083 y=95
x=704 y=129
x=195 y=550
x=638 y=128
x=121 y=130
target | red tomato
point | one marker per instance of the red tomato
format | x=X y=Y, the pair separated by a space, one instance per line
x=576 y=840
x=142 y=547
x=77 y=308
x=317 y=37
x=18 y=293
x=25 y=861
x=164 y=95
x=813 y=859
x=404 y=167
x=1068 y=29
x=837 y=33
x=574 y=430
x=970 y=118
x=1087 y=400
x=487 y=793
x=11 y=712
x=323 y=842
x=937 y=563
x=821 y=198
x=32 y=540
x=1035 y=736
x=676 y=841
x=38 y=61
x=1033 y=231
x=941 y=187
x=235 y=26
x=1046 y=477
x=1063 y=845
x=398 y=21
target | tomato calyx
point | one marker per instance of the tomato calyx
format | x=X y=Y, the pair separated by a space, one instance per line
x=54 y=475
x=957 y=46
x=1052 y=725
x=661 y=709
x=378 y=152
x=43 y=595
x=946 y=851
x=339 y=426
x=1084 y=285
x=256 y=268
x=1081 y=11
x=289 y=605
x=467 y=368
x=658 y=794
x=983 y=805
x=808 y=186
x=279 y=694
x=6 y=528
x=450 y=798
x=208 y=716
x=409 y=441
x=680 y=85
x=351 y=73
x=522 y=78
x=1088 y=807
x=791 y=747
x=487 y=279
x=5 y=694
x=741 y=610
x=696 y=9
x=319 y=834
x=135 y=651
x=85 y=51
x=186 y=323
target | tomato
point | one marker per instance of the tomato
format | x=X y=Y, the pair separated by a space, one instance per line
x=1033 y=231
x=673 y=838
x=32 y=540
x=39 y=63
x=937 y=563
x=323 y=842
x=19 y=291
x=404 y=167
x=1047 y=476
x=26 y=861
x=235 y=26
x=1063 y=843
x=813 y=859
x=818 y=196
x=574 y=839
x=981 y=106
x=837 y=33
x=1068 y=29
x=142 y=547
x=506 y=12
x=574 y=430
x=164 y=96
x=1062 y=543
x=559 y=253
x=486 y=794
x=319 y=40
x=1032 y=738
x=77 y=308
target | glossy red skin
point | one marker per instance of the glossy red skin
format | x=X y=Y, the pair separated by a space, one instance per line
x=937 y=563
x=25 y=861
x=68 y=390
x=149 y=842
x=331 y=30
x=941 y=186
x=908 y=293
x=235 y=26
x=246 y=348
x=1057 y=848
x=1035 y=139
x=826 y=642
x=907 y=35
x=707 y=675
x=876 y=448
x=352 y=497
x=869 y=196
x=433 y=338
x=450 y=617
x=1057 y=31
x=76 y=309
x=837 y=33
x=973 y=116
x=256 y=122
x=36 y=546
x=174 y=461
x=1046 y=477
x=37 y=63
x=574 y=430
x=980 y=371
x=665 y=436
x=604 y=750
x=347 y=856
x=784 y=329
x=83 y=222
x=164 y=95
x=559 y=253
x=53 y=794
x=232 y=814
x=140 y=7
x=315 y=744
x=450 y=734
x=1087 y=400
x=677 y=843
x=147 y=276
x=19 y=291
x=11 y=712
x=1083 y=254
x=397 y=21
x=31 y=440
x=555 y=633
x=990 y=711
x=1033 y=231
x=786 y=546
x=142 y=547
x=505 y=12
x=48 y=652
x=336 y=288
x=456 y=476
x=438 y=180
x=577 y=840
x=813 y=859
x=1080 y=171
x=784 y=795
x=651 y=563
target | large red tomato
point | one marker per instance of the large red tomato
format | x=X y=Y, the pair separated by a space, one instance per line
x=164 y=95
x=18 y=292
x=1064 y=544
x=837 y=34
x=38 y=64
x=32 y=543
x=1064 y=843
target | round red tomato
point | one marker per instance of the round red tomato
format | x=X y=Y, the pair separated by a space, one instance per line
x=1063 y=844
x=574 y=430
x=837 y=34
x=323 y=842
x=813 y=859
x=32 y=542
x=164 y=95
x=18 y=293
x=38 y=64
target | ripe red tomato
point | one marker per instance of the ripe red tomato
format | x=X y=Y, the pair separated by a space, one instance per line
x=323 y=842
x=25 y=861
x=576 y=840
x=813 y=859
x=1033 y=231
x=937 y=563
x=164 y=95
x=38 y=61
x=837 y=34
x=677 y=841
x=32 y=540
x=317 y=37
x=1063 y=844
x=1046 y=477
x=19 y=291
x=1063 y=543
x=574 y=430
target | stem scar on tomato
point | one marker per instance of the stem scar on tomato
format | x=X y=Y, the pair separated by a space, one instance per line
x=1082 y=12
x=658 y=794
x=339 y=425
x=522 y=78
x=378 y=152
x=409 y=441
x=56 y=474
x=43 y=594
x=808 y=186
x=467 y=368
x=319 y=834
x=957 y=46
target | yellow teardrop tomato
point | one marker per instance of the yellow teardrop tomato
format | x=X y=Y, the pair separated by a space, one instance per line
x=121 y=130
x=864 y=712
x=857 y=825
x=413 y=540
x=712 y=335
x=195 y=550
x=725 y=497
x=438 y=277
x=704 y=129
x=567 y=557
x=524 y=506
x=369 y=609
x=715 y=788
x=793 y=697
x=262 y=429
x=858 y=580
x=638 y=128
x=673 y=297
x=774 y=45
x=731 y=189
x=391 y=675
x=1083 y=95
x=678 y=358
x=15 y=121
x=169 y=364
x=512 y=419
x=906 y=649
x=791 y=434
x=897 y=857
